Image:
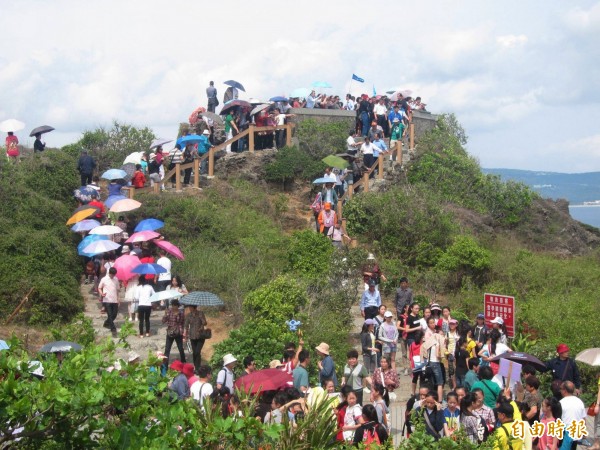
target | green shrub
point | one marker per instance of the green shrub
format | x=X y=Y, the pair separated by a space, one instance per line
x=319 y=139
x=309 y=254
x=290 y=164
x=465 y=257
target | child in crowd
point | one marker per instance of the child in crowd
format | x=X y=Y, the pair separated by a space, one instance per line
x=451 y=414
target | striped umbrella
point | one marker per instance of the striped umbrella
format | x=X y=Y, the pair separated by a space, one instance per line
x=201 y=298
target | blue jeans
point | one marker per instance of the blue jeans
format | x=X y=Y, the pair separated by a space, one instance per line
x=438 y=377
x=364 y=118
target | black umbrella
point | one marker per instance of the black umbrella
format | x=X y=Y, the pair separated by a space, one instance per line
x=521 y=358
x=200 y=298
x=233 y=103
x=60 y=346
x=234 y=84
x=130 y=169
x=41 y=130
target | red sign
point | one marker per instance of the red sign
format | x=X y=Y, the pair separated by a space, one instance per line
x=503 y=306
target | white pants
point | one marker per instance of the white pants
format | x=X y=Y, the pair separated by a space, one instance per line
x=229 y=136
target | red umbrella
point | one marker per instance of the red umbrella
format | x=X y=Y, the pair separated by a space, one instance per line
x=193 y=119
x=142 y=236
x=124 y=265
x=170 y=248
x=264 y=380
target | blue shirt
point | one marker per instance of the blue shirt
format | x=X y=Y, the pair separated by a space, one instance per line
x=370 y=299
x=310 y=101
x=395 y=115
x=379 y=145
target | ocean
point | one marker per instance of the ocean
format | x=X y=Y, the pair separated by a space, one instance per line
x=589 y=214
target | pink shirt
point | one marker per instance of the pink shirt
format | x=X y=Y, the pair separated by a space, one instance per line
x=110 y=289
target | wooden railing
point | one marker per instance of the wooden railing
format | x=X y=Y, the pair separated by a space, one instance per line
x=210 y=156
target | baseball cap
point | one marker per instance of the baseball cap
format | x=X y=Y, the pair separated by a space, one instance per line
x=388 y=314
x=480 y=316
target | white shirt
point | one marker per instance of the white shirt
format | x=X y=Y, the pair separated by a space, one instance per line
x=367 y=149
x=350 y=143
x=225 y=378
x=200 y=390
x=572 y=409
x=166 y=263
x=110 y=288
x=379 y=109
x=143 y=294
x=280 y=119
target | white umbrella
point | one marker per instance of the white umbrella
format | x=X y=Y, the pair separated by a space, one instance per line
x=101 y=247
x=589 y=356
x=255 y=101
x=106 y=230
x=134 y=158
x=11 y=125
x=158 y=142
x=165 y=295
x=259 y=108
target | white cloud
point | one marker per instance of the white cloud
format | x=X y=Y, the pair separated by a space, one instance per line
x=510 y=40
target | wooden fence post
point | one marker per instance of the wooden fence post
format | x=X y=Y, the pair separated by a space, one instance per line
x=251 y=138
x=411 y=136
x=351 y=190
x=196 y=173
x=131 y=192
x=340 y=210
x=211 y=162
x=157 y=187
x=366 y=181
x=178 y=177
x=288 y=134
x=380 y=171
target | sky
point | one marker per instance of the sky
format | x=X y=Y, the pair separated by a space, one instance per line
x=521 y=77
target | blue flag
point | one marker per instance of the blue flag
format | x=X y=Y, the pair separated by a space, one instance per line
x=357 y=78
x=374 y=92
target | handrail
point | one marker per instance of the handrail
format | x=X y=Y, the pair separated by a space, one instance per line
x=364 y=182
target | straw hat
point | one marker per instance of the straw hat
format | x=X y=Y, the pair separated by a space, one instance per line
x=275 y=364
x=323 y=348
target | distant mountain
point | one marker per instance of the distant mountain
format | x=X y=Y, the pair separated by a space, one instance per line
x=575 y=187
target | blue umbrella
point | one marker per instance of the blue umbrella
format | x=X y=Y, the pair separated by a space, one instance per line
x=321 y=84
x=189 y=139
x=149 y=225
x=234 y=84
x=114 y=174
x=112 y=199
x=85 y=194
x=87 y=241
x=149 y=269
x=4 y=345
x=85 y=225
x=300 y=93
x=279 y=98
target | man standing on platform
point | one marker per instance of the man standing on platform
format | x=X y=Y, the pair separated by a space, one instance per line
x=211 y=93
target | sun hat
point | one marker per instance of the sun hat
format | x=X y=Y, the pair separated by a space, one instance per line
x=498 y=320
x=125 y=249
x=152 y=156
x=371 y=257
x=388 y=314
x=370 y=322
x=480 y=316
x=132 y=356
x=176 y=365
x=562 y=348
x=323 y=348
x=435 y=307
x=206 y=132
x=453 y=321
x=275 y=364
x=228 y=359
x=188 y=370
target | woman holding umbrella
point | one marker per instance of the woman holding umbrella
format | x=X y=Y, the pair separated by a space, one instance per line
x=12 y=147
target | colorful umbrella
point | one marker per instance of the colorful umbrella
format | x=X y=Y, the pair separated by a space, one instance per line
x=165 y=295
x=85 y=225
x=134 y=158
x=87 y=241
x=60 y=346
x=129 y=169
x=114 y=174
x=106 y=230
x=264 y=380
x=324 y=180
x=149 y=225
x=83 y=212
x=278 y=98
x=201 y=298
x=125 y=205
x=85 y=194
x=170 y=248
x=189 y=139
x=101 y=246
x=259 y=108
x=149 y=269
x=335 y=161
x=193 y=119
x=142 y=236
x=124 y=265
x=41 y=130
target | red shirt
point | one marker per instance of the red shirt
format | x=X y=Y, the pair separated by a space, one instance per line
x=148 y=260
x=98 y=204
x=11 y=145
x=138 y=179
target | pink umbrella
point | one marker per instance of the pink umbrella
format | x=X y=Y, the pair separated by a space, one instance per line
x=125 y=205
x=170 y=248
x=124 y=265
x=142 y=236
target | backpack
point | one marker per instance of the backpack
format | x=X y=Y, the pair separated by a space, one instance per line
x=371 y=437
x=317 y=205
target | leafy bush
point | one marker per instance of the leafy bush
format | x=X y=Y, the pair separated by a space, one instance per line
x=275 y=302
x=319 y=139
x=290 y=164
x=309 y=254
x=465 y=257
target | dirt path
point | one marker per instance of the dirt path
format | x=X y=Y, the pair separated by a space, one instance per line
x=217 y=321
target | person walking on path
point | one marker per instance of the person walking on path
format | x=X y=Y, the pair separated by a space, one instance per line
x=109 y=293
x=326 y=365
x=327 y=219
x=85 y=167
x=404 y=296
x=370 y=301
x=225 y=377
x=174 y=319
x=193 y=328
x=211 y=93
x=142 y=295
